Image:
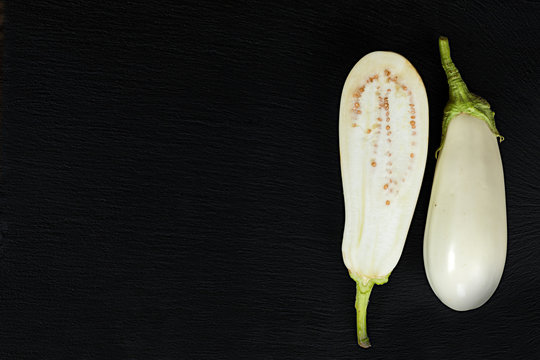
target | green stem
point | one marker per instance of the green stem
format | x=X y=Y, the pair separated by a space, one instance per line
x=461 y=100
x=362 y=300
x=458 y=91
x=363 y=291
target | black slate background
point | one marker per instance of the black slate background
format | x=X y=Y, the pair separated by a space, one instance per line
x=170 y=181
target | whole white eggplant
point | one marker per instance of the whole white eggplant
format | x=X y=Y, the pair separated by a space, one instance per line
x=383 y=133
x=465 y=236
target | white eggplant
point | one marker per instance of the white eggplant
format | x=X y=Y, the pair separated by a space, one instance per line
x=465 y=236
x=383 y=132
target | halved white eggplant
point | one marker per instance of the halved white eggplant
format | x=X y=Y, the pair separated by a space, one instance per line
x=383 y=132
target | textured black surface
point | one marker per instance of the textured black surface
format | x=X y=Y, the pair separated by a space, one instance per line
x=170 y=182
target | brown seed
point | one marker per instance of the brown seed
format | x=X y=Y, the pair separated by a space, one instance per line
x=387 y=127
x=387 y=202
x=373 y=163
x=385 y=186
x=412 y=155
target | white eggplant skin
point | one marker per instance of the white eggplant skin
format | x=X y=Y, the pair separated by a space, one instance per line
x=466 y=236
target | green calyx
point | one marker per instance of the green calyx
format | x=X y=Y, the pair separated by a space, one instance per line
x=363 y=290
x=461 y=100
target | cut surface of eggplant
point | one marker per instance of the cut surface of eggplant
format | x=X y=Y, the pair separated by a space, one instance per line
x=383 y=131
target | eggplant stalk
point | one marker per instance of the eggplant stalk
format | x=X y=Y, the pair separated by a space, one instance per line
x=460 y=99
x=363 y=291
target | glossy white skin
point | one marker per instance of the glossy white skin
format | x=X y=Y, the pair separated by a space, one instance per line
x=375 y=233
x=465 y=237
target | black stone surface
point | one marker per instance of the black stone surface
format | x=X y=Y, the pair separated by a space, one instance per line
x=170 y=184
